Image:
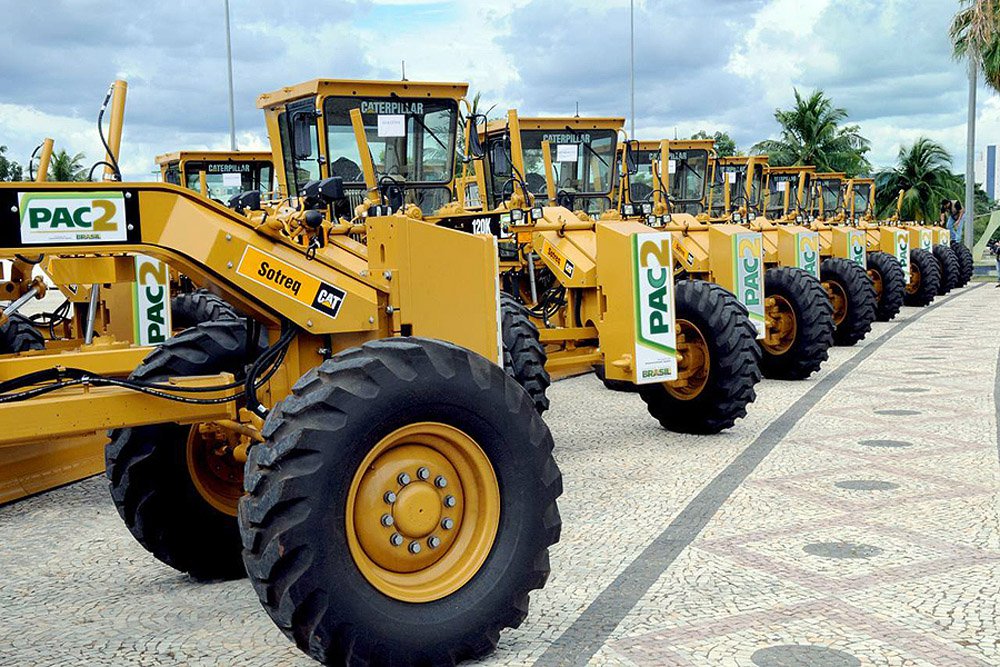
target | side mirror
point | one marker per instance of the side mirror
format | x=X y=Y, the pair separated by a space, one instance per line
x=301 y=136
x=245 y=201
x=475 y=147
x=631 y=161
x=323 y=193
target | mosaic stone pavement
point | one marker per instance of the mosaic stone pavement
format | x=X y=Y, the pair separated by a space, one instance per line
x=851 y=519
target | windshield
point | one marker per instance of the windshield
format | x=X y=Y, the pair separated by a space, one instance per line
x=641 y=183
x=736 y=177
x=687 y=173
x=412 y=140
x=582 y=161
x=861 y=194
x=778 y=187
x=832 y=195
x=225 y=179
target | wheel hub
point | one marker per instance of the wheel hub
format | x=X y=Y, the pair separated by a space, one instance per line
x=838 y=299
x=876 y=278
x=781 y=325
x=422 y=512
x=692 y=362
x=217 y=475
x=914 y=285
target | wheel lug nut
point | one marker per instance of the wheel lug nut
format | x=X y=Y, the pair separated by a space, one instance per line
x=447 y=523
x=423 y=473
x=433 y=541
x=389 y=497
x=403 y=479
x=387 y=520
x=440 y=482
x=449 y=501
x=414 y=547
x=396 y=539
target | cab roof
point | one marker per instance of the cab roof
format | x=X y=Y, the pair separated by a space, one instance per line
x=362 y=88
x=679 y=144
x=214 y=156
x=560 y=123
x=809 y=169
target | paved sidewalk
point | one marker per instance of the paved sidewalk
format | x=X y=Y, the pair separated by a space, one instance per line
x=851 y=519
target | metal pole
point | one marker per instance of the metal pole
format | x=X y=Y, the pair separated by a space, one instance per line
x=631 y=64
x=232 y=106
x=95 y=300
x=970 y=157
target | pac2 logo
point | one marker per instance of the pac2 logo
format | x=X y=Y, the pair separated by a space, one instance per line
x=72 y=217
x=902 y=248
x=926 y=240
x=748 y=255
x=808 y=252
x=655 y=324
x=856 y=245
x=152 y=302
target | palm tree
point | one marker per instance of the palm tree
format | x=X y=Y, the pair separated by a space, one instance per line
x=9 y=170
x=66 y=167
x=975 y=36
x=812 y=134
x=923 y=172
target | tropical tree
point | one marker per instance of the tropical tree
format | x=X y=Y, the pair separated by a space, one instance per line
x=66 y=167
x=975 y=36
x=725 y=146
x=812 y=134
x=923 y=173
x=9 y=170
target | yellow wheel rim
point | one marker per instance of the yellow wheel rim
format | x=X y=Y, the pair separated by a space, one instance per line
x=914 y=284
x=838 y=299
x=877 y=283
x=693 y=363
x=782 y=327
x=423 y=511
x=216 y=475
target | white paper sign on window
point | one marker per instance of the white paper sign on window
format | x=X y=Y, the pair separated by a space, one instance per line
x=782 y=186
x=731 y=177
x=671 y=166
x=232 y=180
x=392 y=125
x=566 y=152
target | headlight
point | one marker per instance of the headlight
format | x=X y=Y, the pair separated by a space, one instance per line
x=517 y=215
x=666 y=218
x=628 y=209
x=647 y=209
x=751 y=216
x=736 y=217
x=536 y=213
x=799 y=218
x=651 y=220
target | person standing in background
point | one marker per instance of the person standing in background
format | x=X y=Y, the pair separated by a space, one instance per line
x=956 y=220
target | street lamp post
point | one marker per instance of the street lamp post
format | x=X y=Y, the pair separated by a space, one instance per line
x=229 y=61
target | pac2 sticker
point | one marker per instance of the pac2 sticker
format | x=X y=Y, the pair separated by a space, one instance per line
x=856 y=243
x=748 y=255
x=807 y=251
x=72 y=217
x=902 y=252
x=269 y=271
x=655 y=323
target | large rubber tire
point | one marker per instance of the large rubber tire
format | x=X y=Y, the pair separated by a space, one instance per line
x=192 y=308
x=151 y=484
x=885 y=272
x=813 y=314
x=18 y=334
x=965 y=261
x=298 y=552
x=951 y=269
x=851 y=283
x=733 y=369
x=524 y=357
x=925 y=277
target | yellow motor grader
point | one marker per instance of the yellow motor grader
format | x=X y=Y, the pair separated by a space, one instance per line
x=548 y=193
x=712 y=205
x=351 y=444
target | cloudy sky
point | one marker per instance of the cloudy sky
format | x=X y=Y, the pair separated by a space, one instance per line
x=700 y=64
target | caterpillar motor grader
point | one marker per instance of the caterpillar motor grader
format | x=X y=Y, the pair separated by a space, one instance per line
x=391 y=496
x=700 y=196
x=556 y=175
x=913 y=243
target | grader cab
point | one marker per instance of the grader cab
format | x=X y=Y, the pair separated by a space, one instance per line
x=723 y=242
x=330 y=444
x=218 y=175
